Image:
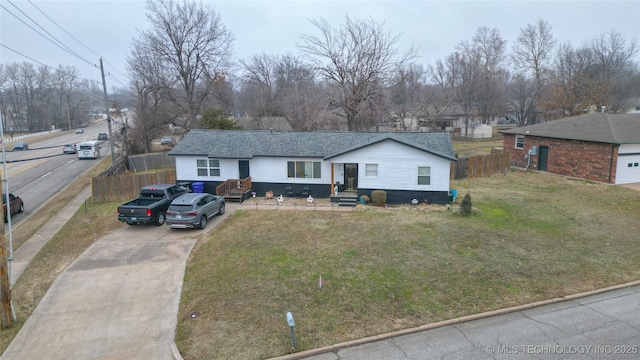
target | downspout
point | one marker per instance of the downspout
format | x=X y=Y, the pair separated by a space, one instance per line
x=611 y=163
x=528 y=162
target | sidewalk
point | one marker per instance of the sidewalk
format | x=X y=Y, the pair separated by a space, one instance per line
x=26 y=252
x=602 y=324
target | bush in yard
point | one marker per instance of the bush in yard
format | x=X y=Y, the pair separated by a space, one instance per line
x=379 y=197
x=465 y=205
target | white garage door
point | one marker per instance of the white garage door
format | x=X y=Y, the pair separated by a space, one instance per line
x=628 y=169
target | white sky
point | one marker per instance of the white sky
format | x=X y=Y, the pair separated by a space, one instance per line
x=273 y=27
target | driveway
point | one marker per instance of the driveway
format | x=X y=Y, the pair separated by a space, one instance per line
x=118 y=300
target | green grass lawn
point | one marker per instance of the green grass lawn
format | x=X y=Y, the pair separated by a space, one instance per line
x=530 y=237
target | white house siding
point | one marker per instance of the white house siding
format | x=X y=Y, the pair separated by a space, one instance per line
x=628 y=154
x=186 y=169
x=397 y=167
x=274 y=170
x=261 y=169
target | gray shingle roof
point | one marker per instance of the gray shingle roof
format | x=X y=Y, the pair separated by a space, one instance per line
x=597 y=127
x=245 y=144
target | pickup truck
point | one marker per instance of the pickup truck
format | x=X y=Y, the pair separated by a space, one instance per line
x=151 y=205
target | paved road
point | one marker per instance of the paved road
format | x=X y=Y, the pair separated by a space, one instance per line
x=603 y=326
x=43 y=171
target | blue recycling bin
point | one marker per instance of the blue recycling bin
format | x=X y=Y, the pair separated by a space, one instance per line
x=454 y=194
x=198 y=187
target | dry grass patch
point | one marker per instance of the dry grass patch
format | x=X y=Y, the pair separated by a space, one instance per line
x=531 y=237
x=465 y=148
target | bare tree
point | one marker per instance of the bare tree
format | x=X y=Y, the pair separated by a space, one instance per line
x=153 y=111
x=193 y=48
x=614 y=67
x=532 y=51
x=32 y=97
x=358 y=58
x=532 y=58
x=573 y=89
x=258 y=79
x=407 y=96
x=474 y=76
x=490 y=46
x=282 y=86
x=521 y=92
x=65 y=81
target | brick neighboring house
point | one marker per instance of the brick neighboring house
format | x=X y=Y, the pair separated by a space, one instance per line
x=598 y=147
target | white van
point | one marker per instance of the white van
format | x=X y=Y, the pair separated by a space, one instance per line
x=89 y=149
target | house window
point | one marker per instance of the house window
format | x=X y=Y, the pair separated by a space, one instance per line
x=371 y=170
x=424 y=175
x=519 y=141
x=304 y=169
x=208 y=167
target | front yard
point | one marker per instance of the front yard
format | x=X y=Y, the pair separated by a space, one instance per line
x=347 y=275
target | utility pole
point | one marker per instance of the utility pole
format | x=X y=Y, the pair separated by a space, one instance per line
x=7 y=313
x=5 y=287
x=106 y=102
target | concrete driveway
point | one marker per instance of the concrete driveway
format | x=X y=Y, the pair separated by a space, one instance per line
x=118 y=300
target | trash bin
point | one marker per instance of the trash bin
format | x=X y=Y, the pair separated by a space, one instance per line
x=454 y=194
x=198 y=187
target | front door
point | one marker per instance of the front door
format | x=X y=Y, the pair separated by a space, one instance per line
x=542 y=158
x=243 y=169
x=350 y=176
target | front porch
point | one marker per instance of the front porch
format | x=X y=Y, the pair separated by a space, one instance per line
x=347 y=198
x=235 y=189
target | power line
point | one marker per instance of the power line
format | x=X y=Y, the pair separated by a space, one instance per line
x=38 y=62
x=61 y=45
x=60 y=27
x=83 y=45
x=79 y=42
x=95 y=97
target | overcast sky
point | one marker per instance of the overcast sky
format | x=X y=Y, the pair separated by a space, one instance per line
x=105 y=28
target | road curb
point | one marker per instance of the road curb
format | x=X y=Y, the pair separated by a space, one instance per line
x=487 y=314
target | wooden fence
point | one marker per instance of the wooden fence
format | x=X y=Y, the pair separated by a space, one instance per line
x=482 y=165
x=144 y=162
x=127 y=186
x=116 y=168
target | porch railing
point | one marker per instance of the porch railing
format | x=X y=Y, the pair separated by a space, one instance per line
x=234 y=186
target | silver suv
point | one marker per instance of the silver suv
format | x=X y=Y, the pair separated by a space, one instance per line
x=193 y=210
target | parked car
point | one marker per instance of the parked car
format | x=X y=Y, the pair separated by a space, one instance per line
x=194 y=210
x=16 y=205
x=103 y=136
x=166 y=140
x=151 y=205
x=21 y=146
x=79 y=131
x=69 y=149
